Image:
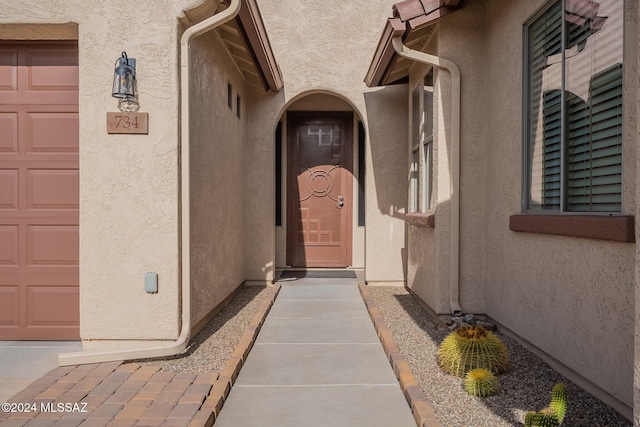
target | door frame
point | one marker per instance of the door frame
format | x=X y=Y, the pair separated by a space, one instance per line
x=293 y=119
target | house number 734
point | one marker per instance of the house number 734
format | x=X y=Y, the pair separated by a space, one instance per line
x=128 y=123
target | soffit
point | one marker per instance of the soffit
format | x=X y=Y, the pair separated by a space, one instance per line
x=413 y=20
x=245 y=39
x=234 y=40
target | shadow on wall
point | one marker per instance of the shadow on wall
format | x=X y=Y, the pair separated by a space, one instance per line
x=387 y=130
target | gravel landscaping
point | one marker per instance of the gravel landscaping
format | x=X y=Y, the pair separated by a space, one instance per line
x=526 y=386
x=214 y=344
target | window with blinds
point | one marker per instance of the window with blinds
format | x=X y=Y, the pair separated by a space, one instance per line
x=574 y=107
x=421 y=162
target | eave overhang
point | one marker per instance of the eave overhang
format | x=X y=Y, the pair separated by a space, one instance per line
x=413 y=21
x=245 y=39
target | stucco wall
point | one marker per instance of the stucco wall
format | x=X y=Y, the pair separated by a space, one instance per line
x=128 y=183
x=632 y=89
x=571 y=297
x=321 y=60
x=429 y=268
x=217 y=176
x=428 y=260
x=128 y=201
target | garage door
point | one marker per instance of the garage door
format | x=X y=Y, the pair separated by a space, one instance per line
x=39 y=191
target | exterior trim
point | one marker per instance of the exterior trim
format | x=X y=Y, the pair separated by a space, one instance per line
x=251 y=22
x=408 y=15
x=427 y=220
x=614 y=228
x=394 y=27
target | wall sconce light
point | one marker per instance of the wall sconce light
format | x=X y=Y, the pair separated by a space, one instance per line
x=124 y=78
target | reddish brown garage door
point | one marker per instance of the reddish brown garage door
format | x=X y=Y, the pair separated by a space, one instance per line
x=39 y=191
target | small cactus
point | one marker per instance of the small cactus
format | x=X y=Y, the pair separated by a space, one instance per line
x=471 y=347
x=559 y=401
x=544 y=418
x=553 y=415
x=481 y=383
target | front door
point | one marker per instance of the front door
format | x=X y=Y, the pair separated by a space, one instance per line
x=319 y=186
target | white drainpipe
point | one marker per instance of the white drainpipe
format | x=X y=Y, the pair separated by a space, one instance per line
x=435 y=61
x=180 y=344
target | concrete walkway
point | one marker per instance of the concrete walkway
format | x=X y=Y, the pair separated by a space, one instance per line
x=317 y=361
x=25 y=361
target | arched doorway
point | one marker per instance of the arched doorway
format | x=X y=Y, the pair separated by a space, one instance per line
x=318 y=156
x=319 y=189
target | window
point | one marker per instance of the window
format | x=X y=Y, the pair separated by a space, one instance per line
x=278 y=176
x=414 y=167
x=427 y=142
x=238 y=105
x=421 y=166
x=573 y=107
x=361 y=175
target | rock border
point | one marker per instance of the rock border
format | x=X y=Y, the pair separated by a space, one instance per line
x=212 y=406
x=423 y=413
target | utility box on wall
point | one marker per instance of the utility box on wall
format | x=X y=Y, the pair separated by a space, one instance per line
x=151 y=283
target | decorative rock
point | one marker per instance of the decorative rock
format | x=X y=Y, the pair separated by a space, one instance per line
x=448 y=321
x=487 y=325
x=469 y=318
x=453 y=326
x=442 y=326
x=457 y=319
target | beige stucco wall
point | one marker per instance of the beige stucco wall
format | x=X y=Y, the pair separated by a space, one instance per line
x=572 y=298
x=217 y=176
x=632 y=18
x=428 y=261
x=128 y=183
x=429 y=267
x=320 y=60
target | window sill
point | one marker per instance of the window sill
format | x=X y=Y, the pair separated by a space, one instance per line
x=615 y=228
x=427 y=220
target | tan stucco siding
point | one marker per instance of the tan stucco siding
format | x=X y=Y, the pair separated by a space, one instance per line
x=217 y=176
x=571 y=297
x=431 y=268
x=128 y=184
x=386 y=185
x=632 y=18
x=321 y=60
x=423 y=268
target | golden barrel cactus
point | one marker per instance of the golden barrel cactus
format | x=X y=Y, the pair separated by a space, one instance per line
x=471 y=347
x=481 y=383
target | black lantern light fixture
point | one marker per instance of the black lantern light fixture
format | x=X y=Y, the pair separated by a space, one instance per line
x=124 y=78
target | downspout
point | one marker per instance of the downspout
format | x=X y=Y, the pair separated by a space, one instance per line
x=185 y=333
x=435 y=61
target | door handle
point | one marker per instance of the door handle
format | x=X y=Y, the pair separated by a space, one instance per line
x=340 y=201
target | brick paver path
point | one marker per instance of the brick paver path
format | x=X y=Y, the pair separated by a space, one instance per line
x=112 y=394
